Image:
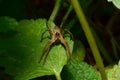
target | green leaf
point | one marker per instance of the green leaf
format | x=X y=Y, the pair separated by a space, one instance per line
x=114 y=72
x=79 y=71
x=20 y=53
x=7 y=24
x=78 y=51
x=116 y=3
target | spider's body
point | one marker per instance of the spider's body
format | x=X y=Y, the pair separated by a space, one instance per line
x=56 y=36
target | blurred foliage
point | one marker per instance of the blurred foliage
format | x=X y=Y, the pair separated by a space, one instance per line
x=113 y=72
x=77 y=70
x=79 y=53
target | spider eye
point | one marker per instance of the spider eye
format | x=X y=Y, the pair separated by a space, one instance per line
x=57 y=34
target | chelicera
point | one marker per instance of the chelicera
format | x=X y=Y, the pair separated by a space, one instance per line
x=56 y=36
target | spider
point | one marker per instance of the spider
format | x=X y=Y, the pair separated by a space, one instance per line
x=56 y=36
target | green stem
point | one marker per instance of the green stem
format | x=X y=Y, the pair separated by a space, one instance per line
x=66 y=15
x=55 y=10
x=58 y=77
x=89 y=37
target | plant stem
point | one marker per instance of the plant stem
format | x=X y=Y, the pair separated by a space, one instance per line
x=58 y=77
x=89 y=37
x=55 y=10
x=66 y=15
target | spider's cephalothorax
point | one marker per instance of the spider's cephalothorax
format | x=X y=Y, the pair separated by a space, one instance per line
x=56 y=36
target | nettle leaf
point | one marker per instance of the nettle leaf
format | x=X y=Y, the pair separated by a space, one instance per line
x=76 y=70
x=20 y=53
x=113 y=73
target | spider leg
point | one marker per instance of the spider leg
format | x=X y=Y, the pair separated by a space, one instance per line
x=50 y=31
x=71 y=35
x=61 y=25
x=43 y=34
x=46 y=51
x=67 y=48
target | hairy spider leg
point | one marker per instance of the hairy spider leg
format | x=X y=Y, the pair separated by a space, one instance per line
x=47 y=46
x=43 y=34
x=46 y=51
x=61 y=25
x=49 y=29
x=71 y=35
x=66 y=47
